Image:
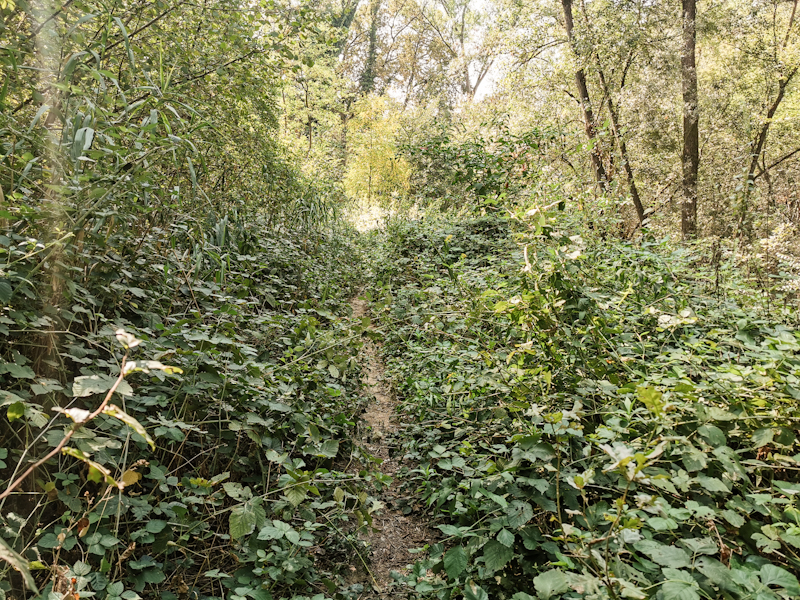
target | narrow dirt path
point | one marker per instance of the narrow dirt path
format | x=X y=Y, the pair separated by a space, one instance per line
x=396 y=533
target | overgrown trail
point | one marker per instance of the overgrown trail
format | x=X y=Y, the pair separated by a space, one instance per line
x=395 y=534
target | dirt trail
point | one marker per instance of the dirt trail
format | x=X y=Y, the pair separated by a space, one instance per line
x=397 y=533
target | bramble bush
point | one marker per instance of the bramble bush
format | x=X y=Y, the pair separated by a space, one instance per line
x=590 y=420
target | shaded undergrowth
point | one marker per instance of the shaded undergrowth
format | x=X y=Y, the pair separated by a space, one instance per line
x=592 y=420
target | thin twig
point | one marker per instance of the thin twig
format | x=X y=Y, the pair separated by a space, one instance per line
x=75 y=427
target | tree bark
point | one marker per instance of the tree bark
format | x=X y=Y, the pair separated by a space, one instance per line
x=367 y=79
x=623 y=147
x=761 y=139
x=690 y=158
x=585 y=102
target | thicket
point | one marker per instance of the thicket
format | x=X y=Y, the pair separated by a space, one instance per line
x=174 y=287
x=591 y=420
x=592 y=409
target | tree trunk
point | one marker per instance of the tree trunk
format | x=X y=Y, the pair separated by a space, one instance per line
x=367 y=79
x=623 y=147
x=586 y=104
x=691 y=131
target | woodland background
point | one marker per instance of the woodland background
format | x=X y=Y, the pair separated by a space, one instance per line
x=578 y=236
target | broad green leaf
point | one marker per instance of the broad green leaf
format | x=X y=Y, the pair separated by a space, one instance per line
x=704 y=545
x=97 y=472
x=712 y=484
x=296 y=494
x=270 y=532
x=651 y=398
x=329 y=448
x=155 y=526
x=540 y=451
x=662 y=524
x=679 y=585
x=242 y=520
x=494 y=497
x=773 y=575
x=293 y=536
x=666 y=556
x=717 y=573
x=518 y=514
x=712 y=435
x=733 y=517
x=496 y=555
x=88 y=385
x=551 y=583
x=17 y=371
x=694 y=459
x=6 y=291
x=455 y=561
x=7 y=397
x=763 y=437
x=18 y=563
x=472 y=591
x=506 y=538
x=15 y=411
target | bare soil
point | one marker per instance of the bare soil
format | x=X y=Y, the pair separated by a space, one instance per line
x=395 y=533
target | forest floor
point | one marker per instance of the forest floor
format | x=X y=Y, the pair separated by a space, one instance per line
x=393 y=535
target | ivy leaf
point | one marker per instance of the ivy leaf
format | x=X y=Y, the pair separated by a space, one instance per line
x=455 y=561
x=772 y=575
x=551 y=583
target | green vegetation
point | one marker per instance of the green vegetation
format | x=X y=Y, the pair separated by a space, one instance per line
x=591 y=420
x=587 y=311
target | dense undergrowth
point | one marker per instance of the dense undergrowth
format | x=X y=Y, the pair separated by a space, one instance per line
x=243 y=493
x=591 y=420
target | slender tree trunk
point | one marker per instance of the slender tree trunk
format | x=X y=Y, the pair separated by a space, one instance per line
x=691 y=118
x=623 y=147
x=757 y=146
x=586 y=104
x=367 y=79
x=761 y=139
